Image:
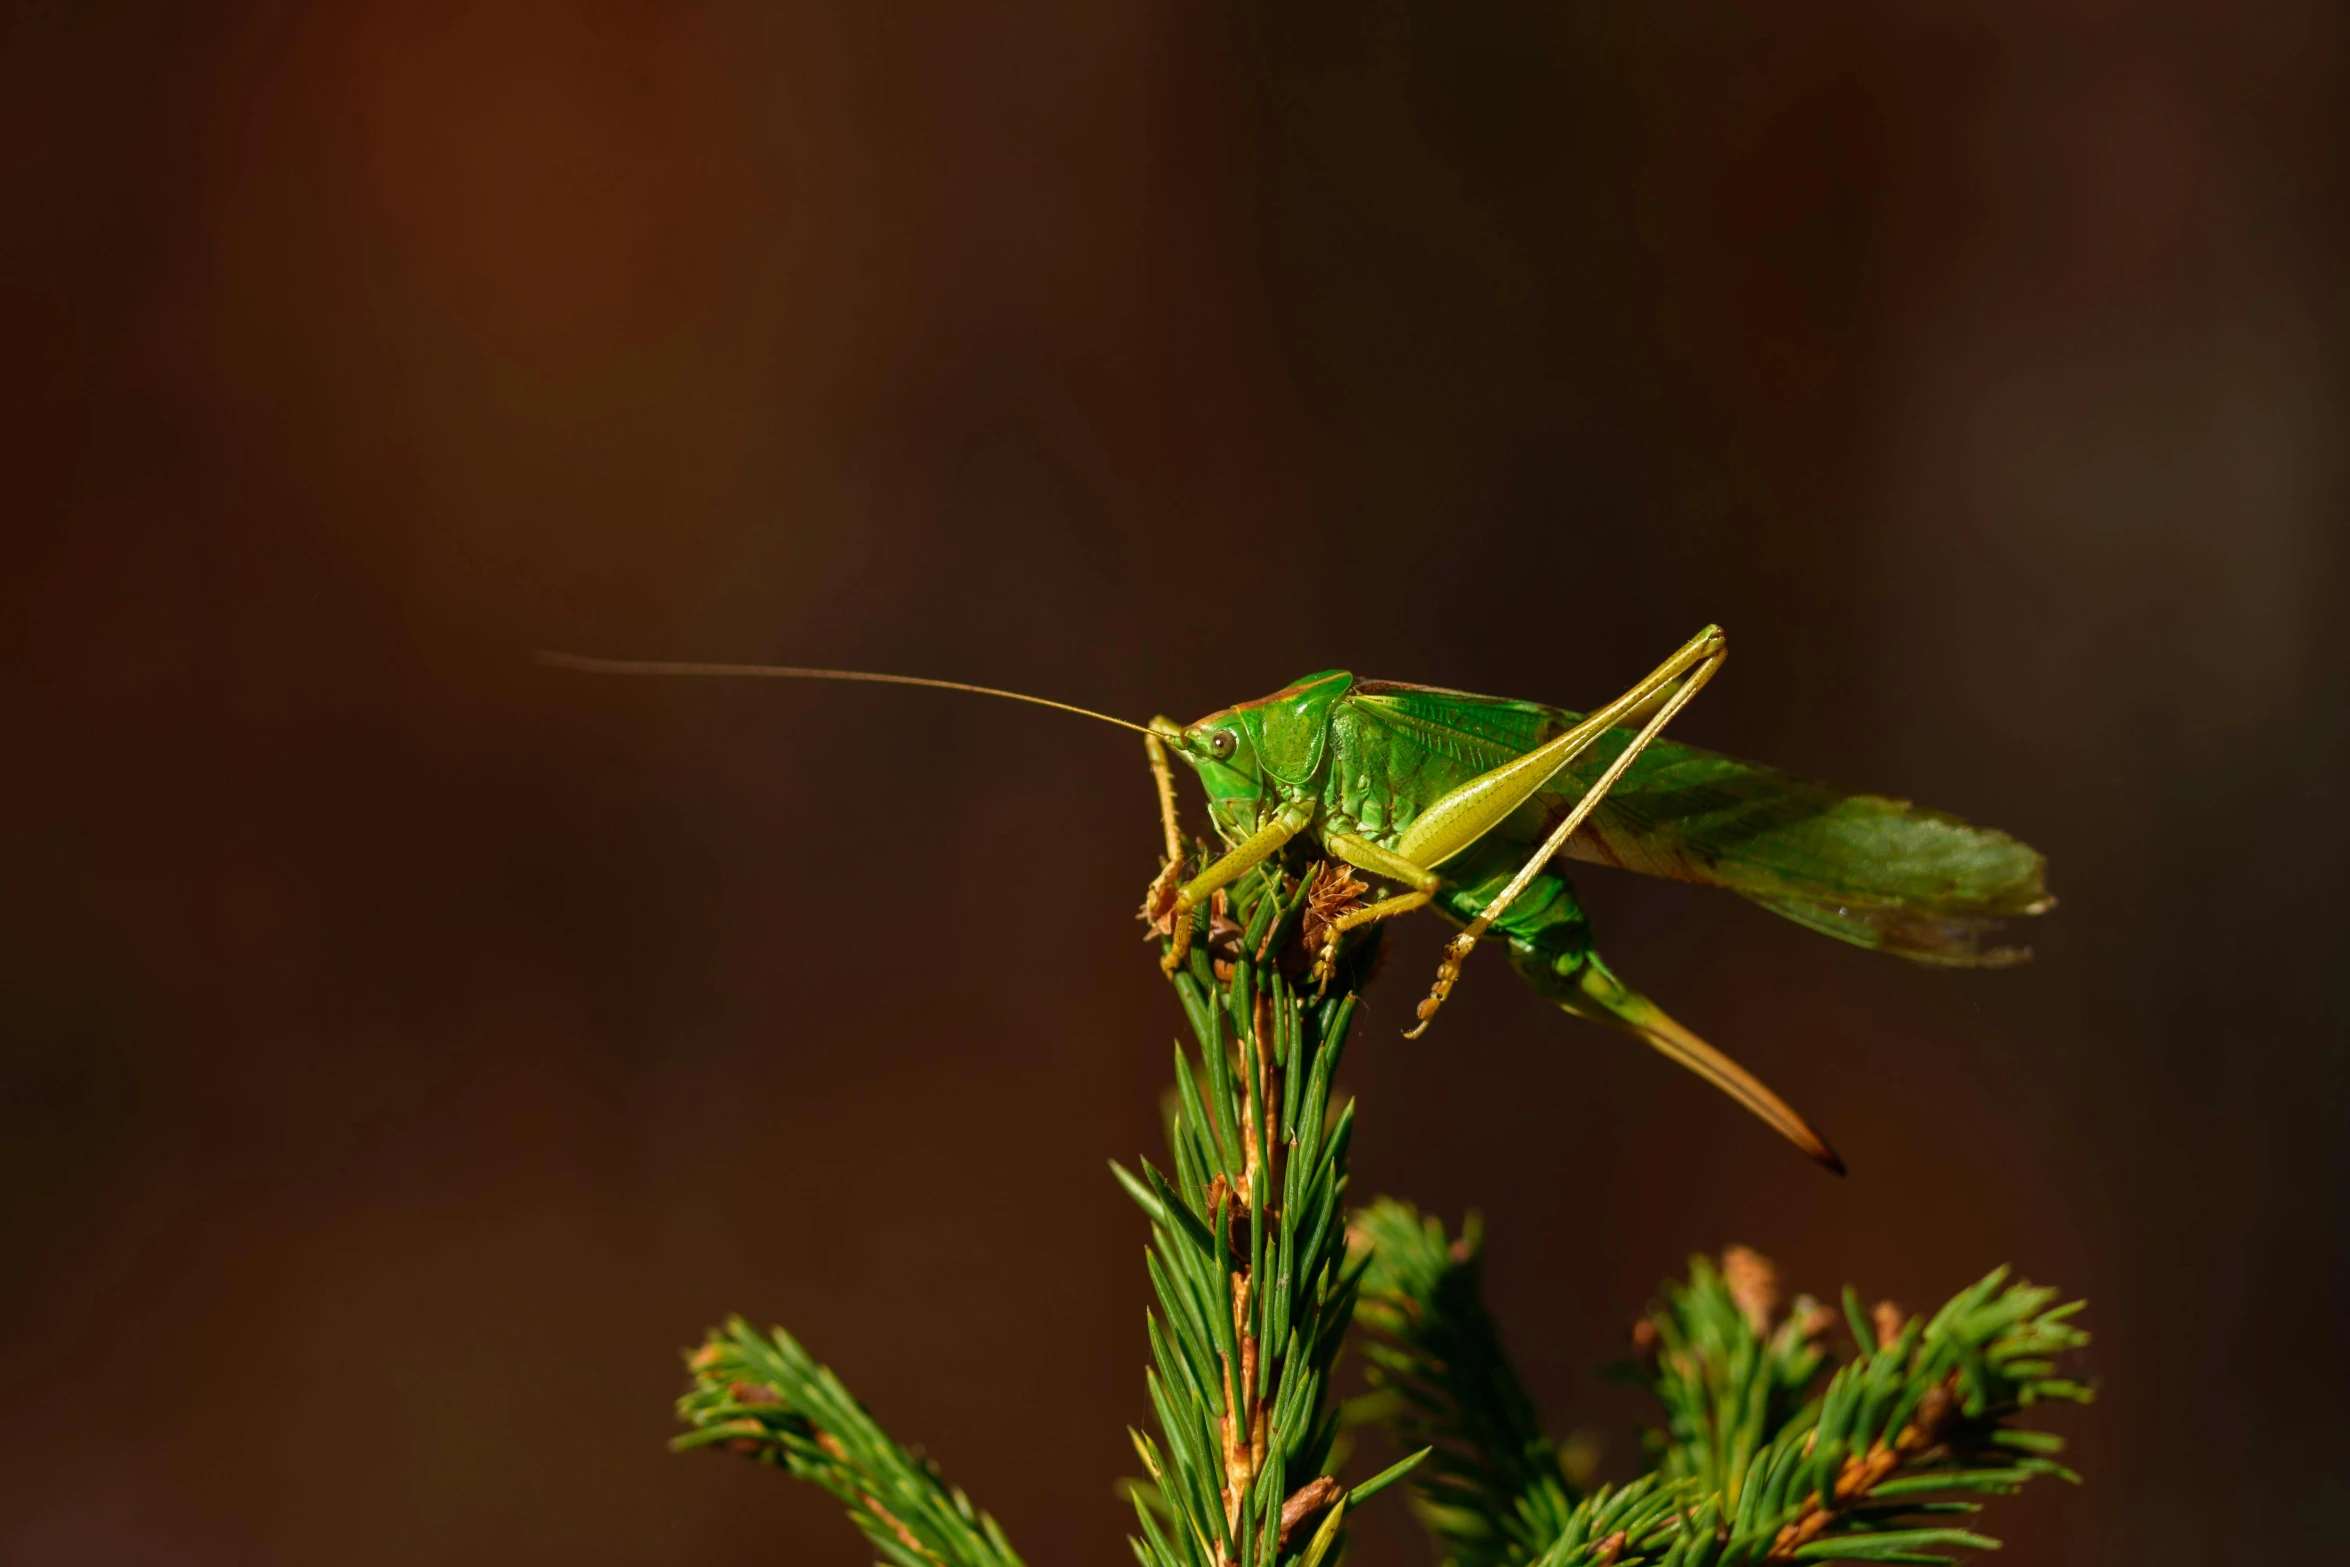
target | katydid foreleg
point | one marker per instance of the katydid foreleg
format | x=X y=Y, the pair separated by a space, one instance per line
x=1252 y=851
x=1155 y=900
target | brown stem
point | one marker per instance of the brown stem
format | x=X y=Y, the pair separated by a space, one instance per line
x=1863 y=1472
x=1242 y=1427
x=830 y=1444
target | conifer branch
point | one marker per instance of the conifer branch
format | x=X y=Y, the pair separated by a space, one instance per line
x=767 y=1399
x=1492 y=1492
x=1917 y=1421
x=1760 y=1461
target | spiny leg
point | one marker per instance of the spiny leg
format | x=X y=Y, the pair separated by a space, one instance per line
x=1253 y=851
x=1462 y=816
x=1666 y=690
x=1363 y=854
x=1155 y=901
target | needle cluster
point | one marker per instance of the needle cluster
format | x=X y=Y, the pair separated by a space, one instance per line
x=1249 y=1257
x=1789 y=1434
x=766 y=1398
x=1796 y=1435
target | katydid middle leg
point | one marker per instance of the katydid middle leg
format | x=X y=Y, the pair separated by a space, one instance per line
x=1363 y=854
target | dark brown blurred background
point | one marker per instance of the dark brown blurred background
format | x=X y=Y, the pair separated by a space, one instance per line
x=408 y=1050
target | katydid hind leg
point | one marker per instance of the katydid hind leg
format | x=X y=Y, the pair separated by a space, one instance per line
x=1660 y=695
x=1460 y=818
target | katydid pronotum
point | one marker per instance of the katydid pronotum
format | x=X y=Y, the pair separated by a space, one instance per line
x=1467 y=804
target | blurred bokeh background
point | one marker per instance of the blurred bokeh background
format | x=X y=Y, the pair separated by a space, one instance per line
x=408 y=1050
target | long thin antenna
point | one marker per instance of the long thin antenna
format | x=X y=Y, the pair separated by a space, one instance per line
x=632 y=666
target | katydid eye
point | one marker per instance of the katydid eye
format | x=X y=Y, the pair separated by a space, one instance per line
x=1220 y=745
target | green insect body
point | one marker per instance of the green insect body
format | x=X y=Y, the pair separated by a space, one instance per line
x=1467 y=804
x=1364 y=766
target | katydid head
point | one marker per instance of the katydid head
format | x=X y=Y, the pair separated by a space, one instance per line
x=1246 y=755
x=1223 y=752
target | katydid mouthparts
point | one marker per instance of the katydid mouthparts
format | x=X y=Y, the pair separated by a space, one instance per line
x=1467 y=805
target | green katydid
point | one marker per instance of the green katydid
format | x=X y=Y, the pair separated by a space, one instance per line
x=1466 y=804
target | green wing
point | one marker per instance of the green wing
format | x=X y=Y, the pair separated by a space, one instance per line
x=1873 y=871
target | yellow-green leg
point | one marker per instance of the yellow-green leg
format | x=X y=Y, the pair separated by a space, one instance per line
x=1474 y=809
x=1154 y=901
x=1363 y=854
x=1253 y=851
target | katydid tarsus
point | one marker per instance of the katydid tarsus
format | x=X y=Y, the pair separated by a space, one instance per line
x=1468 y=804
